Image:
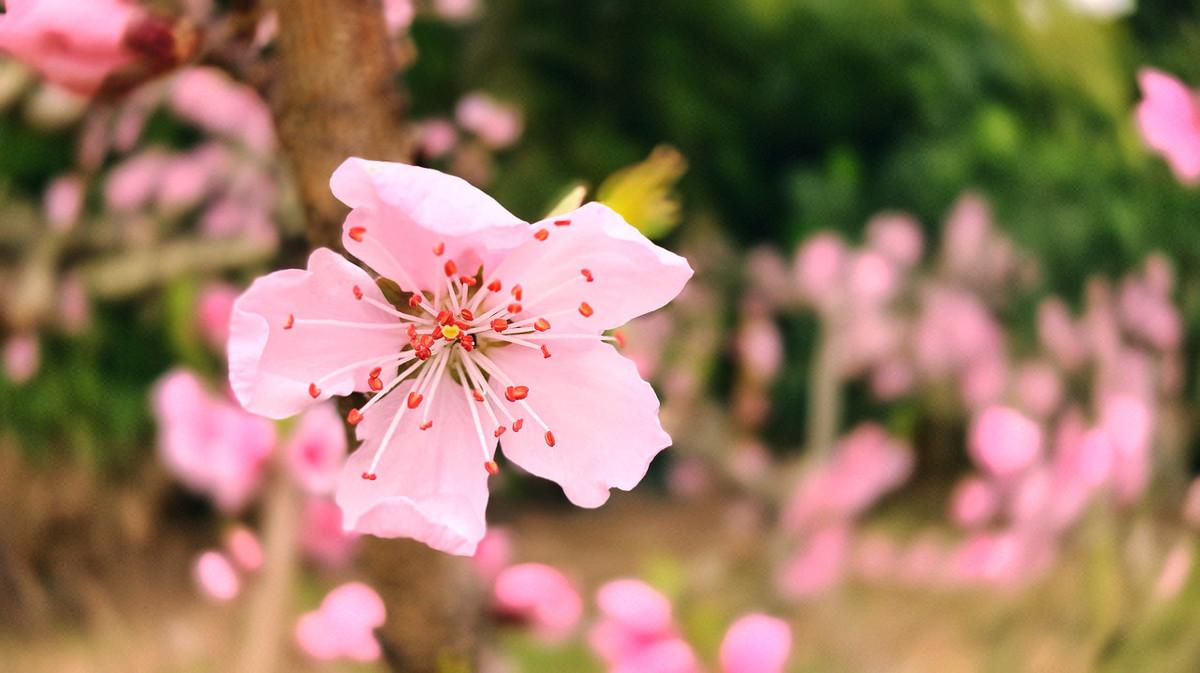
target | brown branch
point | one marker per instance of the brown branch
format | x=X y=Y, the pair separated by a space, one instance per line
x=336 y=98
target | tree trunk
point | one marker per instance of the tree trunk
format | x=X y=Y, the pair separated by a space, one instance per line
x=336 y=98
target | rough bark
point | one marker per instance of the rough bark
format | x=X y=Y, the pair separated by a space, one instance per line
x=336 y=98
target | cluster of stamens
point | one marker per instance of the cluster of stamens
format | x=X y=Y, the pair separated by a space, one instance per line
x=448 y=333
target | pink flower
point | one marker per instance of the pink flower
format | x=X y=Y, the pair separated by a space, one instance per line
x=210 y=99
x=316 y=449
x=497 y=124
x=1128 y=422
x=438 y=137
x=759 y=346
x=756 y=643
x=74 y=44
x=1059 y=335
x=819 y=565
x=540 y=596
x=322 y=538
x=215 y=576
x=819 y=265
x=130 y=184
x=213 y=309
x=1004 y=442
x=1039 y=388
x=245 y=549
x=22 y=357
x=398 y=15
x=344 y=626
x=212 y=446
x=973 y=503
x=1169 y=122
x=500 y=311
x=897 y=236
x=636 y=633
x=493 y=554
x=63 y=202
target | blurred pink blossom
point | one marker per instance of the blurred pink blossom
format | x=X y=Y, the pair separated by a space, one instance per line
x=344 y=626
x=212 y=100
x=73 y=44
x=216 y=577
x=322 y=537
x=185 y=178
x=819 y=565
x=759 y=345
x=63 y=202
x=1176 y=570
x=1127 y=421
x=973 y=503
x=898 y=237
x=316 y=449
x=1059 y=335
x=818 y=267
x=74 y=305
x=756 y=643
x=22 y=357
x=244 y=547
x=211 y=445
x=871 y=278
x=1039 y=388
x=456 y=10
x=1004 y=442
x=497 y=124
x=1191 y=505
x=398 y=15
x=213 y=309
x=130 y=185
x=984 y=381
x=493 y=553
x=636 y=632
x=540 y=596
x=892 y=378
x=438 y=137
x=1169 y=121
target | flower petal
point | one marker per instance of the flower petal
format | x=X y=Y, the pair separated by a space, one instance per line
x=1168 y=119
x=603 y=416
x=271 y=368
x=632 y=275
x=431 y=485
x=407 y=212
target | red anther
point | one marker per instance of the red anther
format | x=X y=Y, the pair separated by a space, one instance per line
x=491 y=467
x=356 y=233
x=586 y=273
x=562 y=223
x=369 y=476
x=423 y=353
x=444 y=317
x=541 y=234
x=469 y=281
x=354 y=417
x=518 y=424
x=520 y=392
x=514 y=308
x=412 y=330
x=541 y=325
x=461 y=325
x=415 y=300
x=414 y=399
x=509 y=394
x=437 y=332
x=426 y=425
x=499 y=324
x=466 y=314
x=477 y=395
x=516 y=292
x=374 y=383
x=585 y=309
x=468 y=342
x=494 y=286
x=620 y=337
x=374 y=373
x=549 y=438
x=499 y=431
x=357 y=292
x=450 y=267
x=427 y=340
x=313 y=391
x=289 y=322
x=545 y=351
x=439 y=248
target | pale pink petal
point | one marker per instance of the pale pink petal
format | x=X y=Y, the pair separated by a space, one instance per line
x=630 y=275
x=22 y=357
x=819 y=265
x=271 y=367
x=973 y=503
x=317 y=448
x=756 y=643
x=245 y=549
x=636 y=606
x=215 y=576
x=315 y=638
x=493 y=553
x=430 y=485
x=671 y=655
x=603 y=417
x=539 y=595
x=406 y=211
x=1175 y=571
x=1169 y=121
x=897 y=236
x=322 y=538
x=213 y=311
x=63 y=202
x=497 y=124
x=1004 y=442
